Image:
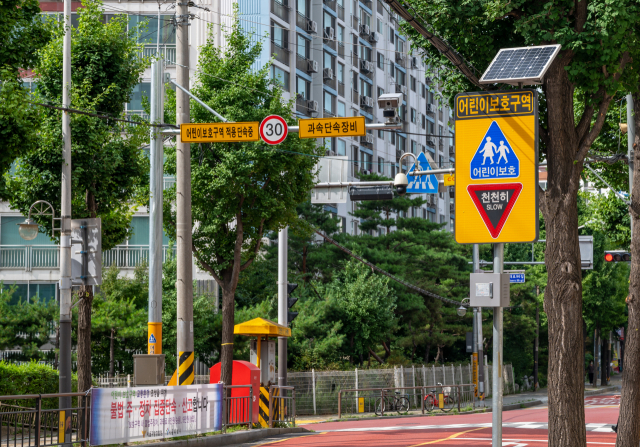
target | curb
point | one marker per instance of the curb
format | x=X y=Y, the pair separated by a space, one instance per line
x=239 y=437
x=604 y=390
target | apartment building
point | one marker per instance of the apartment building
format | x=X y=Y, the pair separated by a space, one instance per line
x=333 y=57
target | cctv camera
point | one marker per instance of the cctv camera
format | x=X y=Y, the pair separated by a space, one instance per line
x=401 y=182
x=389 y=101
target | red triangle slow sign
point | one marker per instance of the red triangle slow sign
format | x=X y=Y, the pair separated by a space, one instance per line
x=494 y=203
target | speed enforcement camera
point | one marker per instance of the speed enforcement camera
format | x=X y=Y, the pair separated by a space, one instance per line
x=389 y=103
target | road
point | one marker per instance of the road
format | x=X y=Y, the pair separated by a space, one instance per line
x=521 y=428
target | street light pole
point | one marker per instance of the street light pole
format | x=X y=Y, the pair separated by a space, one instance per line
x=65 y=234
x=283 y=239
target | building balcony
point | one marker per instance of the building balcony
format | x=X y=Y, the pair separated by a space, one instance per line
x=168 y=52
x=355 y=60
x=302 y=21
x=341 y=12
x=281 y=54
x=341 y=49
x=302 y=105
x=327 y=114
x=303 y=64
x=355 y=97
x=331 y=82
x=380 y=8
x=330 y=3
x=355 y=22
x=331 y=43
x=341 y=89
x=32 y=257
x=280 y=10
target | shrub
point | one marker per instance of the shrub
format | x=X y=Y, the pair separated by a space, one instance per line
x=31 y=378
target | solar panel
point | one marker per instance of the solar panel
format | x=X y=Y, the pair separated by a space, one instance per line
x=525 y=65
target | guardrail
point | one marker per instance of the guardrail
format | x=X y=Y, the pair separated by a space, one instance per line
x=429 y=398
x=282 y=408
x=237 y=410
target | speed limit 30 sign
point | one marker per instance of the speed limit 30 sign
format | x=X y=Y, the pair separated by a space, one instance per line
x=273 y=129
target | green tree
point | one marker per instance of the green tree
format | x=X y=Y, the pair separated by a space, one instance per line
x=599 y=41
x=378 y=213
x=109 y=168
x=22 y=34
x=25 y=325
x=240 y=191
x=119 y=318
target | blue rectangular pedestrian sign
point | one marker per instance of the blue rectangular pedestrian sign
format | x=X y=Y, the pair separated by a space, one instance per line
x=422 y=184
x=516 y=278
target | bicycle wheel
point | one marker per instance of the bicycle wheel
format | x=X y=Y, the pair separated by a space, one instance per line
x=448 y=403
x=429 y=402
x=402 y=405
x=380 y=406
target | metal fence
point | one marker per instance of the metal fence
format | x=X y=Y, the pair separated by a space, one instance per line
x=38 y=420
x=317 y=391
x=282 y=405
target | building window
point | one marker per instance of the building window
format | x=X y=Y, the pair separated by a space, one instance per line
x=413 y=115
x=381 y=134
x=328 y=144
x=340 y=73
x=414 y=147
x=399 y=46
x=392 y=68
x=341 y=35
x=392 y=138
x=380 y=60
x=329 y=61
x=413 y=84
x=424 y=121
x=380 y=92
x=303 y=7
x=391 y=34
x=401 y=78
x=365 y=19
x=365 y=88
x=402 y=143
x=342 y=147
x=329 y=21
x=381 y=166
x=279 y=36
x=140 y=90
x=365 y=53
x=281 y=77
x=303 y=88
x=342 y=109
x=328 y=102
x=424 y=90
x=303 y=47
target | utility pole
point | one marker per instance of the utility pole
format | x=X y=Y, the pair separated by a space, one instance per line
x=478 y=320
x=183 y=204
x=536 y=344
x=496 y=413
x=154 y=336
x=283 y=239
x=65 y=233
x=631 y=136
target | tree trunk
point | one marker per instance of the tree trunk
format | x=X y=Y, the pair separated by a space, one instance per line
x=563 y=295
x=629 y=419
x=604 y=368
x=84 y=338
x=111 y=352
x=55 y=358
x=304 y=262
x=387 y=351
x=375 y=356
x=426 y=353
x=228 y=310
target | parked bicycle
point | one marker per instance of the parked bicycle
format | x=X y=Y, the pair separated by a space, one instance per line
x=390 y=403
x=431 y=400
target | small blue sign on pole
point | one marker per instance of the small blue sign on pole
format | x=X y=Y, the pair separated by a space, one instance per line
x=422 y=184
x=516 y=278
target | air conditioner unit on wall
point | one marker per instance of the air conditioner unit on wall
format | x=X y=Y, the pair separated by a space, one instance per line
x=364 y=29
x=374 y=37
x=312 y=106
x=401 y=89
x=431 y=108
x=366 y=66
x=313 y=67
x=414 y=62
x=327 y=73
x=368 y=138
x=312 y=27
x=329 y=33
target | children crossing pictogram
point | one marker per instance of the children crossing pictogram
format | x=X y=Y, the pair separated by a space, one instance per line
x=422 y=184
x=495 y=158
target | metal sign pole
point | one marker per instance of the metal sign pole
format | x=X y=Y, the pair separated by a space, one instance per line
x=283 y=239
x=496 y=415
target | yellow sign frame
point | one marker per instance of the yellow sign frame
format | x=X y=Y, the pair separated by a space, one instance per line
x=332 y=127
x=520 y=127
x=220 y=132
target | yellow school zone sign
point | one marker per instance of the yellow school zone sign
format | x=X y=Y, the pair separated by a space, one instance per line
x=496 y=181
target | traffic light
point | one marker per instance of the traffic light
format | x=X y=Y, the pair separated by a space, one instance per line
x=291 y=301
x=617 y=256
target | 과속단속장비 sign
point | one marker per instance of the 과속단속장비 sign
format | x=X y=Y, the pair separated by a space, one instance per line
x=332 y=127
x=496 y=179
x=121 y=415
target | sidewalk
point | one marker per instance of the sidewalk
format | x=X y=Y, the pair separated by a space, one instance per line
x=509 y=402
